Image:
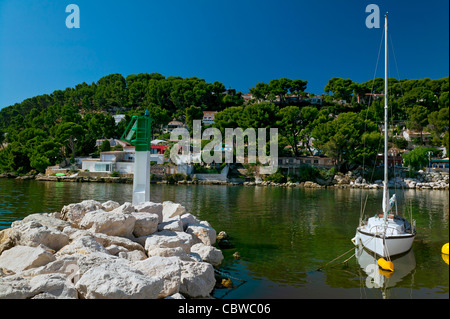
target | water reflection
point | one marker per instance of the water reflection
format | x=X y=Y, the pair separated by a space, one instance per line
x=282 y=234
x=377 y=278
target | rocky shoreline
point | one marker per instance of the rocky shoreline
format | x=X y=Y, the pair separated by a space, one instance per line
x=93 y=250
x=423 y=181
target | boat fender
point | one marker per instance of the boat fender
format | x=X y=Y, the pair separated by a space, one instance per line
x=385 y=265
x=445 y=249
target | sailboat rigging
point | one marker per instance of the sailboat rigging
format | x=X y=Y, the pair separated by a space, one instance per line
x=386 y=234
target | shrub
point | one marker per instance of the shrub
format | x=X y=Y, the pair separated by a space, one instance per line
x=115 y=174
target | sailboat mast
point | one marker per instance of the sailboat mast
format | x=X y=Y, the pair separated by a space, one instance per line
x=385 y=188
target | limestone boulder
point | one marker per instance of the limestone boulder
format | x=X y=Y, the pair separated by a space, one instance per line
x=208 y=253
x=169 y=252
x=146 y=223
x=169 y=239
x=118 y=281
x=173 y=224
x=152 y=208
x=44 y=286
x=110 y=223
x=135 y=255
x=197 y=279
x=74 y=213
x=188 y=219
x=110 y=205
x=21 y=258
x=168 y=268
x=34 y=234
x=81 y=245
x=103 y=239
x=202 y=232
x=171 y=209
x=45 y=220
x=125 y=208
x=6 y=242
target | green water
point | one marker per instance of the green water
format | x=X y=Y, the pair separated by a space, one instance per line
x=282 y=234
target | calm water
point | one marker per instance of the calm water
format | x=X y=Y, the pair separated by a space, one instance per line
x=283 y=235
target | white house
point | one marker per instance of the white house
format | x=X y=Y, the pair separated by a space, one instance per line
x=115 y=161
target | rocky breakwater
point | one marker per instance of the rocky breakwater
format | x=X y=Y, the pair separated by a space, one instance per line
x=422 y=180
x=93 y=250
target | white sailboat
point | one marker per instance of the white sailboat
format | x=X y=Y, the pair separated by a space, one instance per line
x=386 y=234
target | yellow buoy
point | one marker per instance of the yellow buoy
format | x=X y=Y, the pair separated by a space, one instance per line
x=445 y=249
x=385 y=265
x=385 y=273
x=445 y=258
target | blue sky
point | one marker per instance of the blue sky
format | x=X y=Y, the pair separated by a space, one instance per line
x=238 y=43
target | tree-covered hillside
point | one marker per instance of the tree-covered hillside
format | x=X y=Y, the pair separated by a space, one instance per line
x=45 y=129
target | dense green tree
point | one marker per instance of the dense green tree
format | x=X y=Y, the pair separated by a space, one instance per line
x=69 y=134
x=348 y=139
x=341 y=89
x=105 y=146
x=418 y=119
x=291 y=125
x=418 y=158
x=260 y=115
x=193 y=113
x=438 y=125
x=278 y=88
x=228 y=118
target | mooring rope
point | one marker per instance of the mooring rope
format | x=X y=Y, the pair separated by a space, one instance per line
x=323 y=266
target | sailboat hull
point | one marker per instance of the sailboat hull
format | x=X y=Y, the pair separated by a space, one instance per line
x=386 y=246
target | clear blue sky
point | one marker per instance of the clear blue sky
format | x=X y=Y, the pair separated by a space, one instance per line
x=238 y=43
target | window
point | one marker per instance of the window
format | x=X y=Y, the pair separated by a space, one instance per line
x=103 y=167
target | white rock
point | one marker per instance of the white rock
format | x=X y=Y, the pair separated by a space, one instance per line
x=82 y=245
x=171 y=209
x=109 y=223
x=34 y=234
x=168 y=268
x=125 y=208
x=202 y=233
x=134 y=255
x=146 y=224
x=106 y=241
x=152 y=208
x=173 y=223
x=45 y=220
x=188 y=219
x=115 y=250
x=116 y=281
x=169 y=239
x=21 y=258
x=197 y=279
x=169 y=252
x=52 y=286
x=175 y=296
x=110 y=205
x=208 y=253
x=75 y=212
x=66 y=265
x=45 y=286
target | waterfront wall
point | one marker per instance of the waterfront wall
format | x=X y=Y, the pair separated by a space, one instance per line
x=423 y=181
